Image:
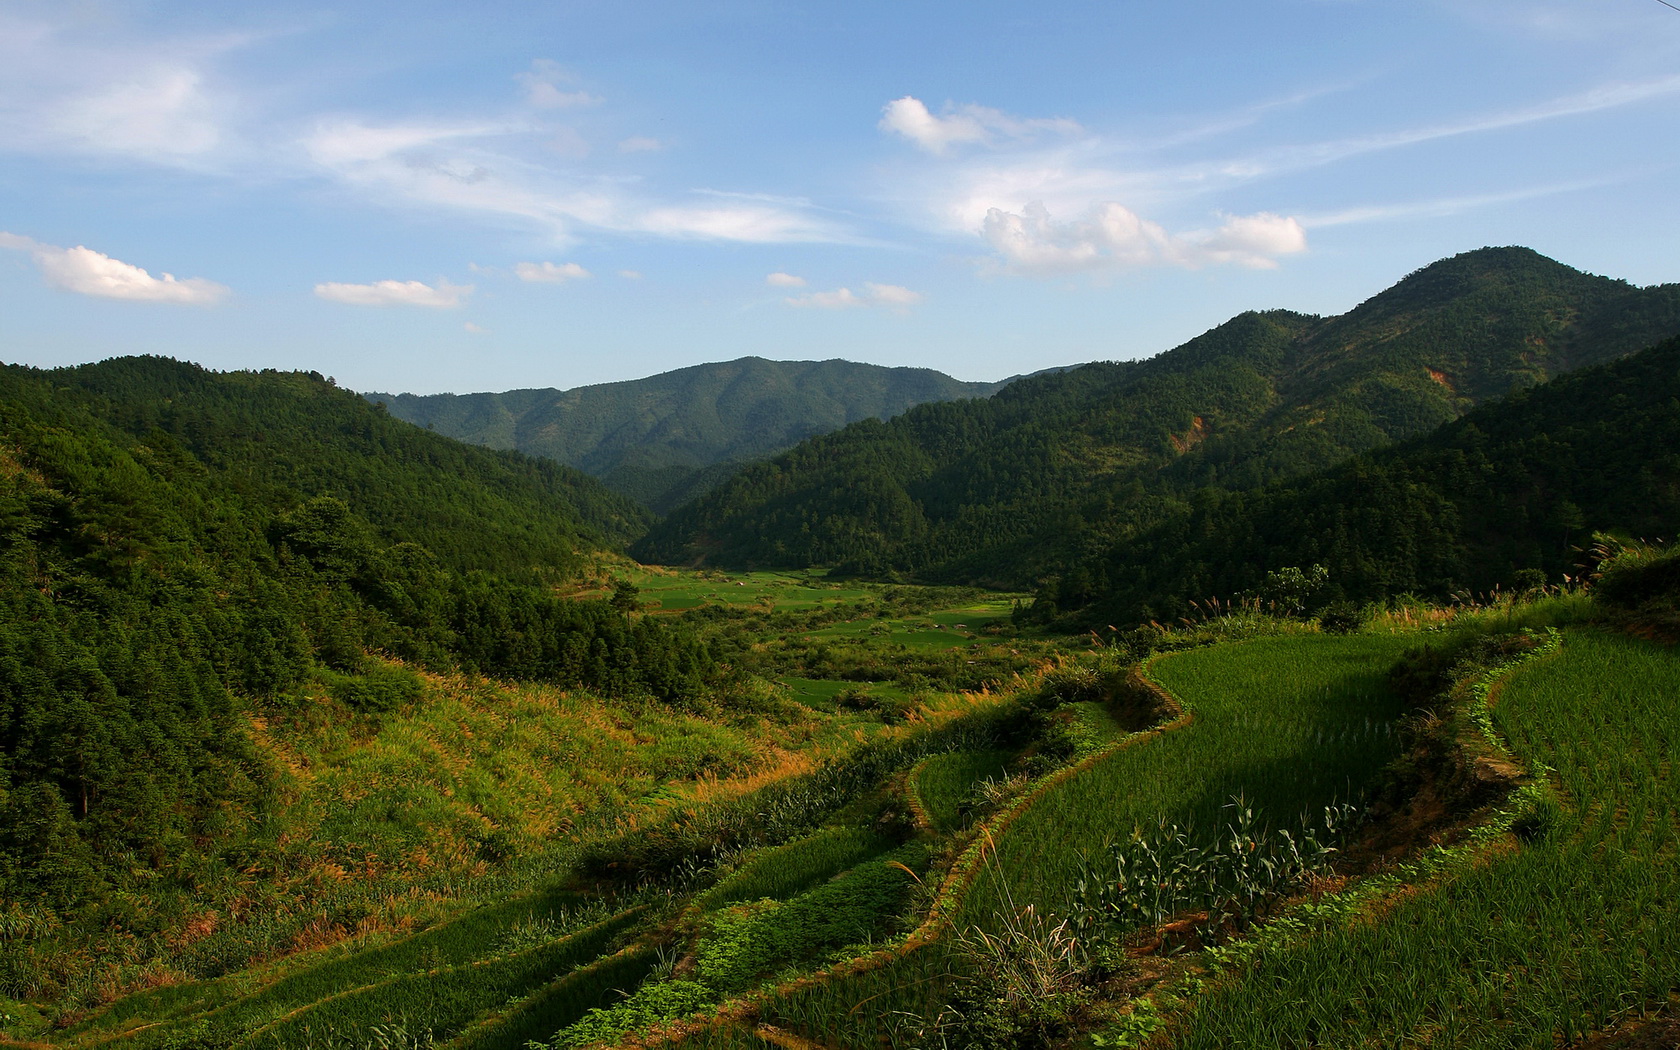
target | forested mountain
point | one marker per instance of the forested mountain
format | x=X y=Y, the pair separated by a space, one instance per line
x=669 y=437
x=1058 y=468
x=177 y=545
x=1517 y=484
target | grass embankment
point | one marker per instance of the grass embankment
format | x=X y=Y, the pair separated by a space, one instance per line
x=1558 y=931
x=1291 y=723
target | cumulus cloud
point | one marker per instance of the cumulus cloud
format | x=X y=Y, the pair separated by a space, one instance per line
x=1111 y=236
x=910 y=118
x=890 y=296
x=442 y=295
x=784 y=280
x=630 y=275
x=87 y=272
x=474 y=329
x=549 y=273
x=543 y=90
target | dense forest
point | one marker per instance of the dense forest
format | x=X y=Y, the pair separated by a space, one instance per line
x=1056 y=469
x=177 y=545
x=665 y=439
x=1509 y=493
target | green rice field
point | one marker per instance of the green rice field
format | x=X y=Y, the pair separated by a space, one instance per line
x=1556 y=933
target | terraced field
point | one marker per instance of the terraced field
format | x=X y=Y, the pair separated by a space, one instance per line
x=1292 y=723
x=1549 y=935
x=841 y=907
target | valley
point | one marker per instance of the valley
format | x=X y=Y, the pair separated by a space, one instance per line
x=1309 y=684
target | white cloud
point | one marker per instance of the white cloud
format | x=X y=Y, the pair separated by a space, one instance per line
x=549 y=273
x=66 y=90
x=161 y=112
x=839 y=299
x=87 y=272
x=891 y=296
x=630 y=275
x=474 y=329
x=784 y=280
x=442 y=295
x=639 y=144
x=910 y=118
x=1111 y=236
x=462 y=166
x=542 y=87
x=754 y=223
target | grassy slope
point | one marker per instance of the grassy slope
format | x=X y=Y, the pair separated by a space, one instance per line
x=1547 y=939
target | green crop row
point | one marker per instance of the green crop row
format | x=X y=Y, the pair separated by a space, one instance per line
x=1574 y=925
x=944 y=783
x=442 y=1002
x=783 y=871
x=539 y=1015
x=310 y=978
x=1290 y=723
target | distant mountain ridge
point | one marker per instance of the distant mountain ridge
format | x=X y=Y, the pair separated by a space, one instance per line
x=664 y=439
x=1055 y=468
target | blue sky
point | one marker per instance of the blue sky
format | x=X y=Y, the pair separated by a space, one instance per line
x=445 y=196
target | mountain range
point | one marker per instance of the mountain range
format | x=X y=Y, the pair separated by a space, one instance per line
x=1056 y=469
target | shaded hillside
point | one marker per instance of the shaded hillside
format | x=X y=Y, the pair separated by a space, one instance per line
x=178 y=545
x=1516 y=484
x=669 y=437
x=279 y=434
x=1057 y=468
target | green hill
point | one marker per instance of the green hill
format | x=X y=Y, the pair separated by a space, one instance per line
x=1520 y=483
x=664 y=439
x=1059 y=467
x=177 y=545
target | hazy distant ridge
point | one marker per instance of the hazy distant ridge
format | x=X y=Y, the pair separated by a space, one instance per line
x=670 y=436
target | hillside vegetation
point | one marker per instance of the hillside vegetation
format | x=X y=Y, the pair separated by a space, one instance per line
x=1056 y=468
x=177 y=546
x=322 y=732
x=666 y=439
x=1508 y=493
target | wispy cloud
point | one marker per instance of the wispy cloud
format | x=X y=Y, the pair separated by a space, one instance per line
x=1593 y=100
x=549 y=273
x=1082 y=204
x=160 y=103
x=461 y=167
x=87 y=272
x=910 y=118
x=784 y=280
x=891 y=296
x=1441 y=207
x=441 y=296
x=543 y=88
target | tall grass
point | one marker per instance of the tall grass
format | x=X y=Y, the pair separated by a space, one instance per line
x=1572 y=924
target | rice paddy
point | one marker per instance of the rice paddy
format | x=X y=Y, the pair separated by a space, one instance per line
x=1553 y=934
